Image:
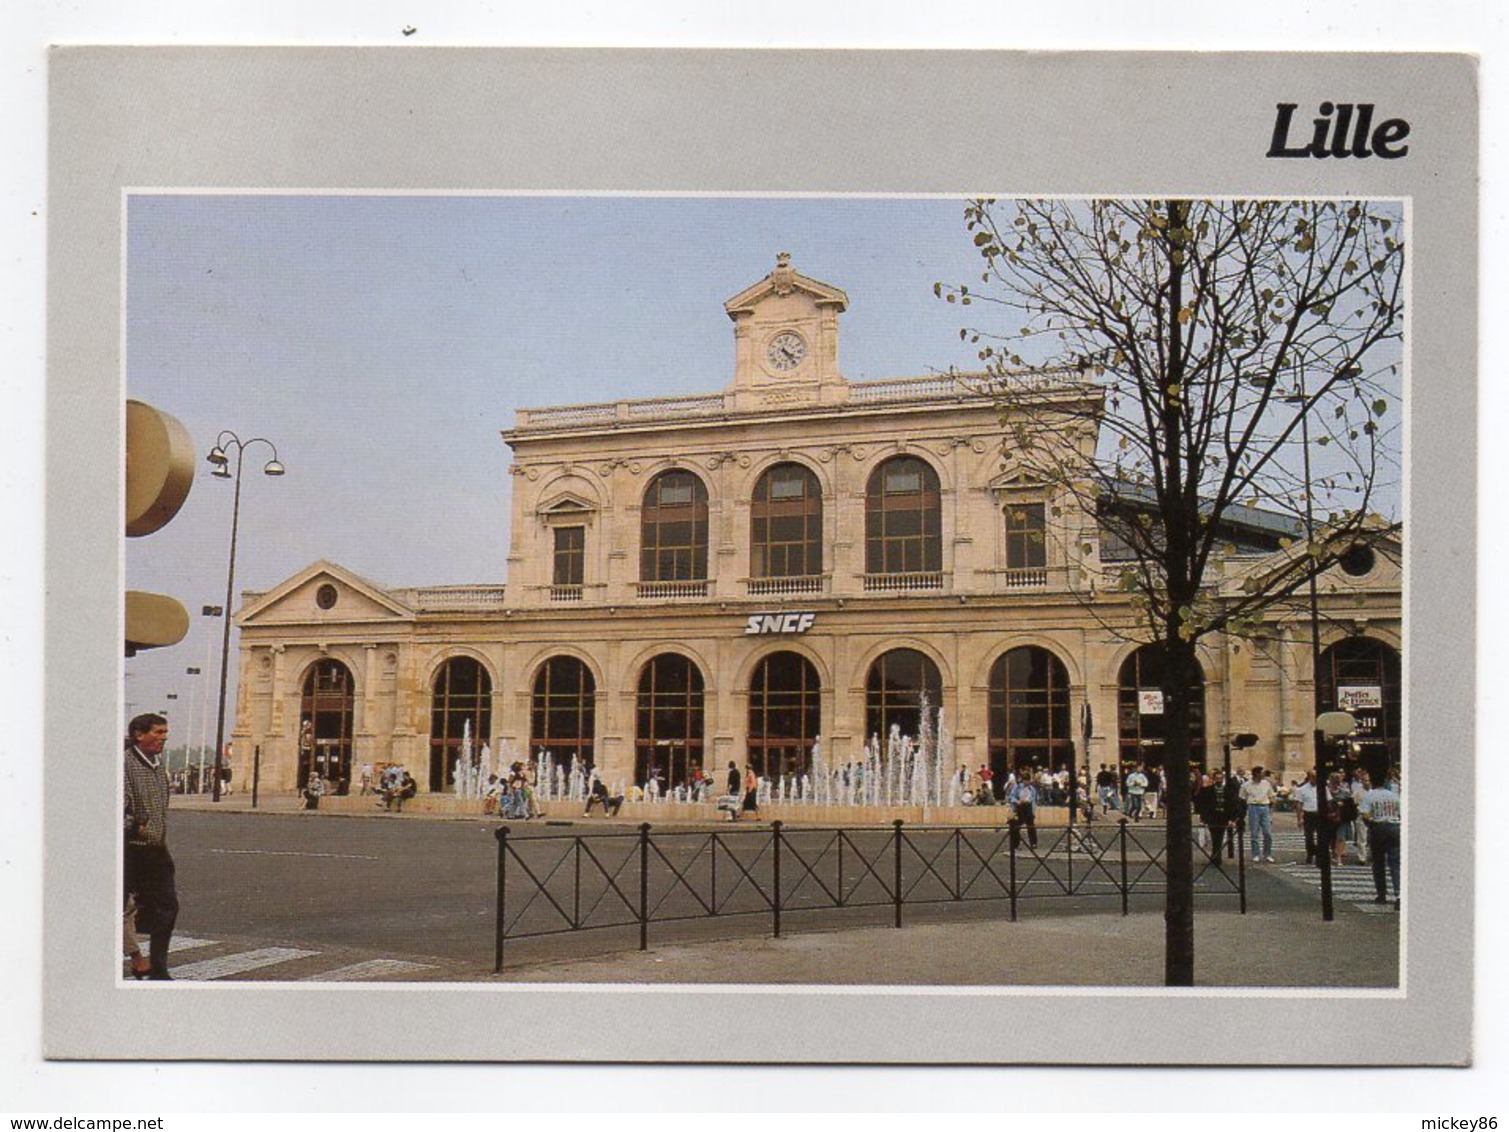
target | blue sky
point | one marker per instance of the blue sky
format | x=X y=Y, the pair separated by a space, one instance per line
x=383 y=342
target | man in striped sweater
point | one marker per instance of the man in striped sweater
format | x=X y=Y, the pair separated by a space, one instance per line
x=149 y=865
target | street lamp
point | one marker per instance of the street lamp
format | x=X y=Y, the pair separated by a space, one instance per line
x=1329 y=727
x=1301 y=397
x=221 y=460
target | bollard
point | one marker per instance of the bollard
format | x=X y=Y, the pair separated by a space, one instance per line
x=898 y=824
x=644 y=886
x=1125 y=887
x=502 y=836
x=775 y=858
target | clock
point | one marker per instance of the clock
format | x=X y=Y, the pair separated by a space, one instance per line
x=786 y=351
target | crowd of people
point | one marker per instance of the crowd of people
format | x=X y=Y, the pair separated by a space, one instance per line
x=511 y=796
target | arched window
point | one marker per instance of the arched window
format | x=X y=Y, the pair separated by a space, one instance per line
x=325 y=723
x=785 y=713
x=903 y=518
x=462 y=695
x=1028 y=706
x=897 y=683
x=786 y=524
x=1140 y=724
x=563 y=718
x=673 y=529
x=668 y=721
x=1362 y=676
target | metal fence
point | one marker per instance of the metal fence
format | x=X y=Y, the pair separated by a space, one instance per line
x=552 y=884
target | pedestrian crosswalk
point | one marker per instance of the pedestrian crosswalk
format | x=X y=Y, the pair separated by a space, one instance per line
x=280 y=964
x=1351 y=883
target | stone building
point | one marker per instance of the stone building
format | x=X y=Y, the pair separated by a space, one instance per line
x=725 y=578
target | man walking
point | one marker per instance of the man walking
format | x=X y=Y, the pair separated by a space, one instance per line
x=1309 y=815
x=1383 y=812
x=1024 y=798
x=1259 y=796
x=149 y=865
x=1136 y=788
x=1105 y=783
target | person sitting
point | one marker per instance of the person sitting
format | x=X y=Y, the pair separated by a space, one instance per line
x=598 y=796
x=400 y=794
x=515 y=802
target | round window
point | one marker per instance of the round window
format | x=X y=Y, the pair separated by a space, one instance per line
x=1359 y=560
x=325 y=597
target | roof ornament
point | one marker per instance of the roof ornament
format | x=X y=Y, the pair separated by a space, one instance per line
x=783 y=275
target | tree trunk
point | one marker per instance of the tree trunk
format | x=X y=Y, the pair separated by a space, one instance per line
x=1180 y=676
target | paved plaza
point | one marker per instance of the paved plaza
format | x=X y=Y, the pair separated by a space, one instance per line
x=283 y=895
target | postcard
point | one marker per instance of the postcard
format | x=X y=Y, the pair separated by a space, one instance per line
x=761 y=557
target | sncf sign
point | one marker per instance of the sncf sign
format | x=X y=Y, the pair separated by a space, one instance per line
x=759 y=623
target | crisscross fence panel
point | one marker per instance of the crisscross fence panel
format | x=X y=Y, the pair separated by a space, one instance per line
x=553 y=884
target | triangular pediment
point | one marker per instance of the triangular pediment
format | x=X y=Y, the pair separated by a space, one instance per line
x=1016 y=478
x=780 y=283
x=567 y=503
x=1380 y=570
x=323 y=593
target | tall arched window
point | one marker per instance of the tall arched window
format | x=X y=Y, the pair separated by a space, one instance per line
x=1362 y=676
x=1140 y=725
x=1028 y=706
x=325 y=722
x=463 y=694
x=668 y=721
x=903 y=518
x=785 y=714
x=897 y=682
x=786 y=524
x=562 y=719
x=673 y=529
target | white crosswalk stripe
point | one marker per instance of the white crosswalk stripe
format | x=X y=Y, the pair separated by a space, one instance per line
x=371 y=969
x=239 y=963
x=187 y=943
x=256 y=959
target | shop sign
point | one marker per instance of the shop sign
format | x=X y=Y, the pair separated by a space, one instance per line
x=761 y=623
x=1359 y=697
x=1150 y=702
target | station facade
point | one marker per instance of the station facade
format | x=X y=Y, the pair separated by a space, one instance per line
x=732 y=578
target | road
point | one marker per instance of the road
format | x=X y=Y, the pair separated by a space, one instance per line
x=299 y=896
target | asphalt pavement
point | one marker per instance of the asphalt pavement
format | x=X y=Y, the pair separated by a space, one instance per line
x=283 y=894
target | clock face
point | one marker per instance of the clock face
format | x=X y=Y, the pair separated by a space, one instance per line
x=786 y=351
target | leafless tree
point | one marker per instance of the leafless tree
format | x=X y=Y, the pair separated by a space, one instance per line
x=1235 y=355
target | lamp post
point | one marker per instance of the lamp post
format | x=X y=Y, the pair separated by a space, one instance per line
x=221 y=462
x=1329 y=727
x=1322 y=769
x=204 y=707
